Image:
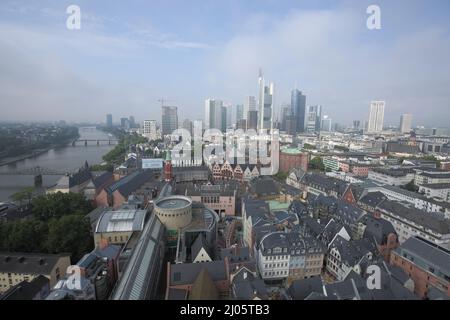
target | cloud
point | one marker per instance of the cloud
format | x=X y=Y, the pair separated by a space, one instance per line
x=113 y=66
x=339 y=64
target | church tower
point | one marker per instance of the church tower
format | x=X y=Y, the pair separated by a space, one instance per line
x=168 y=167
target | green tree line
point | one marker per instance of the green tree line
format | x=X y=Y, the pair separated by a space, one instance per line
x=58 y=224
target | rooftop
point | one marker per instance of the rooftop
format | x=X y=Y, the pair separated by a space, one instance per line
x=437 y=186
x=434 y=255
x=187 y=273
x=131 y=182
x=121 y=221
x=400 y=172
x=29 y=263
x=428 y=220
x=173 y=203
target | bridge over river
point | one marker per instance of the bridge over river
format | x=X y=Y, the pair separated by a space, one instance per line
x=96 y=141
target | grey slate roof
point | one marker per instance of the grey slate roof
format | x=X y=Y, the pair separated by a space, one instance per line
x=28 y=290
x=301 y=289
x=437 y=186
x=400 y=172
x=198 y=244
x=28 y=263
x=298 y=207
x=325 y=183
x=429 y=220
x=264 y=186
x=131 y=182
x=186 y=273
x=313 y=226
x=351 y=254
x=373 y=199
x=246 y=286
x=236 y=254
x=434 y=255
x=293 y=242
x=377 y=229
x=257 y=209
x=436 y=175
x=341 y=211
x=101 y=179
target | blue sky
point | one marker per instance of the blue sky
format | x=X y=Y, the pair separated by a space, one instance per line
x=128 y=55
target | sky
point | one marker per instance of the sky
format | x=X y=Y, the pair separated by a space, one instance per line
x=130 y=54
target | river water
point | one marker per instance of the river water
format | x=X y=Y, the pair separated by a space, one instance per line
x=67 y=158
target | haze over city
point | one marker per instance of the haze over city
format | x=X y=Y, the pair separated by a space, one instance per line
x=126 y=56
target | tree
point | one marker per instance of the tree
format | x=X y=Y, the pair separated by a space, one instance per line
x=342 y=148
x=410 y=186
x=60 y=204
x=317 y=164
x=70 y=234
x=281 y=176
x=23 y=196
x=308 y=146
x=27 y=235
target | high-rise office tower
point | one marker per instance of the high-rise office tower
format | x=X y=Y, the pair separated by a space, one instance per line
x=252 y=122
x=187 y=125
x=356 y=124
x=213 y=114
x=224 y=117
x=376 y=117
x=249 y=105
x=109 y=120
x=150 y=130
x=125 y=123
x=313 y=119
x=169 y=120
x=284 y=113
x=132 y=122
x=406 y=123
x=326 y=123
x=239 y=112
x=229 y=116
x=298 y=109
x=265 y=104
x=291 y=125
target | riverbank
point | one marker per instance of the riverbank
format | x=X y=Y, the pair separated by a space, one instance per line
x=64 y=158
x=35 y=153
x=24 y=157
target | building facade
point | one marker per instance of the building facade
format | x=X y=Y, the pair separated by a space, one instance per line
x=376 y=117
x=169 y=121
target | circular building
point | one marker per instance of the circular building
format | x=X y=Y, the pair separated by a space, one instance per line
x=174 y=212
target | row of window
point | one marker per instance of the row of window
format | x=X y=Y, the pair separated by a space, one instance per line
x=275 y=273
x=171 y=215
x=275 y=265
x=270 y=258
x=118 y=238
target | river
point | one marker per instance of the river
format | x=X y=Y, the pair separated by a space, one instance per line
x=67 y=158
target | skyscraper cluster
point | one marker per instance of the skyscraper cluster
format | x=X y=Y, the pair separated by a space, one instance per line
x=258 y=113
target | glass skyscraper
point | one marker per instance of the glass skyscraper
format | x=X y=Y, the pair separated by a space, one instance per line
x=169 y=121
x=298 y=109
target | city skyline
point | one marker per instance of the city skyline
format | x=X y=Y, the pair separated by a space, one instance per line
x=123 y=61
